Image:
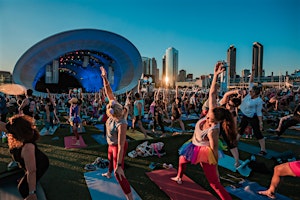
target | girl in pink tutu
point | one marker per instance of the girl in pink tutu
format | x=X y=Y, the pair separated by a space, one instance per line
x=203 y=147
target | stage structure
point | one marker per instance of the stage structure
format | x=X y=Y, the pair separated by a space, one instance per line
x=72 y=59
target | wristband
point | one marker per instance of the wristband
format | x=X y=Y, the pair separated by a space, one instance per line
x=119 y=164
x=32 y=192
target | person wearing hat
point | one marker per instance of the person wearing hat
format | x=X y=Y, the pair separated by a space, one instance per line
x=74 y=118
x=116 y=126
x=22 y=135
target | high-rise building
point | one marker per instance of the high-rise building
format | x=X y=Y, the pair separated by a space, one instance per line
x=231 y=61
x=257 y=60
x=170 y=62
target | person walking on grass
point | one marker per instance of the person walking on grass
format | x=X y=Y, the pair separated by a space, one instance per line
x=203 y=147
x=116 y=126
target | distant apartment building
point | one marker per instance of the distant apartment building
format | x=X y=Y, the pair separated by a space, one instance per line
x=231 y=61
x=182 y=75
x=189 y=77
x=245 y=73
x=257 y=60
x=170 y=67
x=150 y=68
x=5 y=77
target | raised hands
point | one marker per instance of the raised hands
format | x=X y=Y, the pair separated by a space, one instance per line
x=103 y=71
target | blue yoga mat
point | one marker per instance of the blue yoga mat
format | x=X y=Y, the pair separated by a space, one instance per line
x=228 y=163
x=255 y=150
x=105 y=189
x=100 y=127
x=248 y=190
x=100 y=138
x=282 y=139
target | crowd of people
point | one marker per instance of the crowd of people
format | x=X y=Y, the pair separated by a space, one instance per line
x=223 y=116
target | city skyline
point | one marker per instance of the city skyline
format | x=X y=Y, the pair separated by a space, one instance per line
x=200 y=31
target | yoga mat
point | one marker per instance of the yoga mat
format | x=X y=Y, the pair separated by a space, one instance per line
x=44 y=130
x=248 y=190
x=136 y=135
x=255 y=150
x=228 y=163
x=100 y=138
x=172 y=129
x=188 y=190
x=69 y=140
x=282 y=139
x=100 y=127
x=189 y=117
x=9 y=187
x=103 y=188
x=192 y=125
x=80 y=129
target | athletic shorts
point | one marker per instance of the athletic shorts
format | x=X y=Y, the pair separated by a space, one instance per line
x=295 y=167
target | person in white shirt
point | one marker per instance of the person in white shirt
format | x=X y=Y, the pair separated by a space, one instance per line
x=251 y=108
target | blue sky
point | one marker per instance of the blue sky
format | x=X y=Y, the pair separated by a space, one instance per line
x=201 y=31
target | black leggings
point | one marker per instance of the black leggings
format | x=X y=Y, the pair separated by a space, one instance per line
x=42 y=164
x=254 y=122
x=159 y=122
x=287 y=123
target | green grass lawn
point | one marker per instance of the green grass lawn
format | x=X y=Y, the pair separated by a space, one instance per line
x=64 y=180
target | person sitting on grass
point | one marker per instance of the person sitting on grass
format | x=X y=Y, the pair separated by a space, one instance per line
x=116 y=126
x=285 y=169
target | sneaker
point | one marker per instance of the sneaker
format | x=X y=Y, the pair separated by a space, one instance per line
x=77 y=143
x=12 y=165
x=262 y=153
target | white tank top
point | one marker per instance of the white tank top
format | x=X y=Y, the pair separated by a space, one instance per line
x=200 y=136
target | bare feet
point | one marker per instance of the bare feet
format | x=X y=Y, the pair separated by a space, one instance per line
x=177 y=179
x=267 y=193
x=107 y=174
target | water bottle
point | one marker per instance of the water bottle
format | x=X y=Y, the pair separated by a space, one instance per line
x=4 y=137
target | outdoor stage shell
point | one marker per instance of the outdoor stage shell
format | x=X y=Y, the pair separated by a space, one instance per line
x=127 y=59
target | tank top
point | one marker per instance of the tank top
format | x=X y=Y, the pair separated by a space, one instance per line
x=112 y=130
x=42 y=161
x=135 y=108
x=200 y=136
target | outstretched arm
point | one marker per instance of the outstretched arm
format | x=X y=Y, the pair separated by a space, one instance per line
x=213 y=89
x=225 y=98
x=106 y=85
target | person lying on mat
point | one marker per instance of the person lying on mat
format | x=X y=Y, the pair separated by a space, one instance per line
x=285 y=169
x=203 y=147
x=116 y=126
x=22 y=135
